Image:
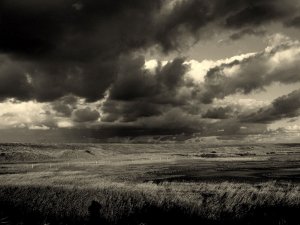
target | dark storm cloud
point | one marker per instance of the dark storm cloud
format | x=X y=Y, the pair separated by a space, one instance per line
x=217 y=85
x=178 y=119
x=294 y=22
x=72 y=49
x=13 y=80
x=138 y=92
x=65 y=105
x=56 y=29
x=84 y=32
x=185 y=20
x=248 y=31
x=287 y=106
x=218 y=113
x=75 y=47
x=129 y=111
x=85 y=115
x=175 y=118
x=135 y=82
x=259 y=12
x=198 y=19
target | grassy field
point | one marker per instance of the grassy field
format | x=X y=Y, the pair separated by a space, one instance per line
x=149 y=184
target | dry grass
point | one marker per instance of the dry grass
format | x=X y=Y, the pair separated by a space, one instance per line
x=122 y=178
x=123 y=201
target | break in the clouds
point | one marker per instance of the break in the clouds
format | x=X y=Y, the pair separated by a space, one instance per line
x=132 y=63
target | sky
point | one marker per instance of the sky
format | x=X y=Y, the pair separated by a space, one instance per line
x=221 y=68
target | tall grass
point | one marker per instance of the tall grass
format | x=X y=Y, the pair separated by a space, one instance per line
x=148 y=203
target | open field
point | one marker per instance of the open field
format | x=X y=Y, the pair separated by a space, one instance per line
x=150 y=183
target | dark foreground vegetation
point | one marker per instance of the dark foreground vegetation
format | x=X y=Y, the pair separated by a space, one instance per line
x=166 y=203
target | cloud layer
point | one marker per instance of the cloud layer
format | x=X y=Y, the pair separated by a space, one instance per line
x=287 y=106
x=86 y=61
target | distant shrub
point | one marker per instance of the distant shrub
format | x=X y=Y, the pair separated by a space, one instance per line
x=209 y=155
